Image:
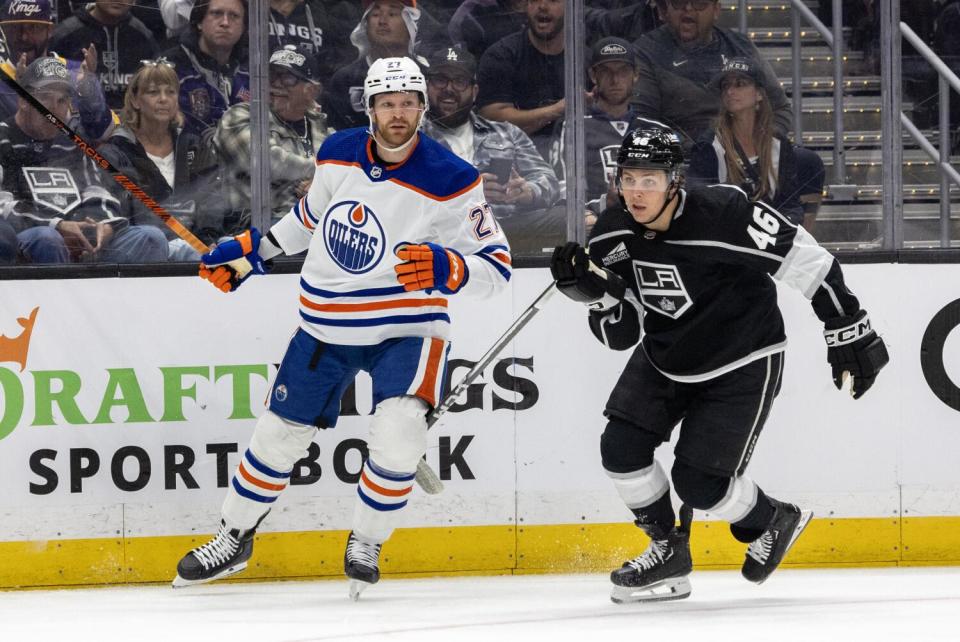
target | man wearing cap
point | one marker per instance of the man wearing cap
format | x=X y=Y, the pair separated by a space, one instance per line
x=613 y=72
x=63 y=211
x=28 y=25
x=297 y=127
x=528 y=187
x=387 y=29
x=211 y=63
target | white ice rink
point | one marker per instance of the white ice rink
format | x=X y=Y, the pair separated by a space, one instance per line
x=902 y=605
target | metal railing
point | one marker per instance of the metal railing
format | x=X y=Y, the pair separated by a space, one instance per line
x=947 y=79
x=834 y=39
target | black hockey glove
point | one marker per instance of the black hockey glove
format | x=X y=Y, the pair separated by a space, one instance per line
x=854 y=349
x=582 y=280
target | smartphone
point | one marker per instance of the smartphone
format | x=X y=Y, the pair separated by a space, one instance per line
x=501 y=168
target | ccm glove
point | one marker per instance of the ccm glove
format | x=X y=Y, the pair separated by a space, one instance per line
x=430 y=266
x=580 y=279
x=855 y=350
x=233 y=261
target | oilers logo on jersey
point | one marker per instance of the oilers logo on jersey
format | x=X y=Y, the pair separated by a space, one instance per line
x=354 y=236
x=662 y=289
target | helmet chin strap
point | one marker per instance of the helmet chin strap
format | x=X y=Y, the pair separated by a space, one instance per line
x=399 y=148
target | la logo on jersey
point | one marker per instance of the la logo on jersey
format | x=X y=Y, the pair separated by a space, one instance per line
x=353 y=236
x=662 y=289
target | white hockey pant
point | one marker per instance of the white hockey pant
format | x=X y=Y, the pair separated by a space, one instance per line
x=397 y=441
x=264 y=470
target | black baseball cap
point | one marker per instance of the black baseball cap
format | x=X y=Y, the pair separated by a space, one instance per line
x=613 y=49
x=455 y=57
x=46 y=72
x=739 y=66
x=299 y=60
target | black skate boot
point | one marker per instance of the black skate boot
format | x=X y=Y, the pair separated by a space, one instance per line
x=227 y=553
x=361 y=563
x=660 y=572
x=766 y=552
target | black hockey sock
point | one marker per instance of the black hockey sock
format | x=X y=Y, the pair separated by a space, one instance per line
x=656 y=519
x=755 y=522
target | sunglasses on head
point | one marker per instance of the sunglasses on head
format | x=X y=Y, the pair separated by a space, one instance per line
x=155 y=63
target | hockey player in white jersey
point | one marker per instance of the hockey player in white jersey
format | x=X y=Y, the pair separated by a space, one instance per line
x=393 y=224
x=688 y=273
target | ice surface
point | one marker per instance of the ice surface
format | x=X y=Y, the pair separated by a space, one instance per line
x=901 y=604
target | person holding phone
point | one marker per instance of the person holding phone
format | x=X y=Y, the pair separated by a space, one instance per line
x=518 y=182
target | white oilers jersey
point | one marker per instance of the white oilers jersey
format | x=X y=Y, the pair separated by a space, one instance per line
x=358 y=211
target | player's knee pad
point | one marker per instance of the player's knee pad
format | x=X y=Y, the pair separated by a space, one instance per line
x=398 y=434
x=729 y=498
x=626 y=447
x=641 y=488
x=280 y=443
x=697 y=488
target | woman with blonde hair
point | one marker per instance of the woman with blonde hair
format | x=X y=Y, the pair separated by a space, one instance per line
x=154 y=151
x=744 y=149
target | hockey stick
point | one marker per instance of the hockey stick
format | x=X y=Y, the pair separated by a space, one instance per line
x=241 y=266
x=426 y=477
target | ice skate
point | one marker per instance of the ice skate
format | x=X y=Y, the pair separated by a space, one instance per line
x=224 y=555
x=660 y=572
x=361 y=563
x=766 y=552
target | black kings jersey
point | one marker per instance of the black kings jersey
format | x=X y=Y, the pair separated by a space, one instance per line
x=704 y=286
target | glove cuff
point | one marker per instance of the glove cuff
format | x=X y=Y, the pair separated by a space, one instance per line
x=850 y=333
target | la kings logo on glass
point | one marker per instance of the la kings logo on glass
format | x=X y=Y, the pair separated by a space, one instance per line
x=662 y=289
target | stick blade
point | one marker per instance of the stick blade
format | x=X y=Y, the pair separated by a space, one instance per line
x=427 y=479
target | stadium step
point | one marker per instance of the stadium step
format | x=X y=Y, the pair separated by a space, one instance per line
x=860 y=113
x=823 y=85
x=860 y=226
x=865 y=167
x=814 y=61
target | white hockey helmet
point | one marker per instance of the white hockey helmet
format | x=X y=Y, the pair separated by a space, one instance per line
x=387 y=75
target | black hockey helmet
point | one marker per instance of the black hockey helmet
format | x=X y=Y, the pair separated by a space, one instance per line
x=650 y=145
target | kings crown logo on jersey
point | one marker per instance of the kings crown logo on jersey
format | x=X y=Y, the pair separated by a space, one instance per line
x=354 y=236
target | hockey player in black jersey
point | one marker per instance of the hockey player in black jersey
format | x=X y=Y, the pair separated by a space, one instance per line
x=690 y=272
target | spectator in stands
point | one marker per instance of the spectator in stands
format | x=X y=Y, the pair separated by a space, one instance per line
x=211 y=63
x=154 y=151
x=628 y=20
x=388 y=28
x=743 y=149
x=121 y=40
x=677 y=62
x=28 y=25
x=522 y=196
x=477 y=24
x=63 y=209
x=521 y=75
x=314 y=24
x=613 y=72
x=297 y=128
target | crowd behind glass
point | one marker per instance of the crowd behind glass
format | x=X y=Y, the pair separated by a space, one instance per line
x=162 y=87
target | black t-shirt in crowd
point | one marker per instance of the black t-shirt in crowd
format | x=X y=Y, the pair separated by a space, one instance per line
x=514 y=71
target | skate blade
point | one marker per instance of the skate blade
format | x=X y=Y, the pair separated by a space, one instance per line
x=179 y=582
x=675 y=588
x=356 y=588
